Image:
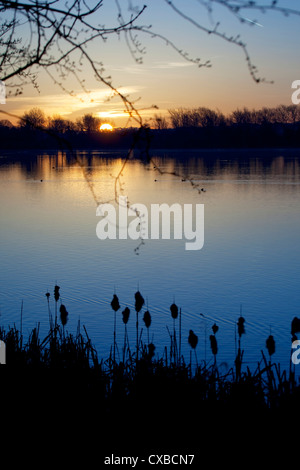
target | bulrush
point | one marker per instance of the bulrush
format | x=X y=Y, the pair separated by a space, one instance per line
x=115 y=303
x=49 y=311
x=295 y=326
x=63 y=315
x=270 y=344
x=241 y=327
x=147 y=321
x=56 y=293
x=174 y=314
x=126 y=313
x=213 y=342
x=139 y=302
x=213 y=345
x=240 y=353
x=174 y=311
x=115 y=306
x=193 y=339
x=56 y=297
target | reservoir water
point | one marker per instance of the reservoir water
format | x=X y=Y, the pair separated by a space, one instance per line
x=249 y=263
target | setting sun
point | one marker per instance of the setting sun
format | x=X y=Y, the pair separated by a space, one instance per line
x=106 y=127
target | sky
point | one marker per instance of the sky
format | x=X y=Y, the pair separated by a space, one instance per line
x=165 y=79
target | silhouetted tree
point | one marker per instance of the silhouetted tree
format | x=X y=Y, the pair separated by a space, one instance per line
x=242 y=116
x=6 y=123
x=90 y=123
x=160 y=122
x=33 y=119
x=60 y=125
x=197 y=117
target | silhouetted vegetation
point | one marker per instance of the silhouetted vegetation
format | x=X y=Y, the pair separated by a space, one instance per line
x=185 y=128
x=123 y=384
x=206 y=128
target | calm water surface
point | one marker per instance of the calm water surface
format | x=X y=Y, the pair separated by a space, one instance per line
x=250 y=261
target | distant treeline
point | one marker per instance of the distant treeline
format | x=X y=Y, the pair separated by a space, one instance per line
x=206 y=128
x=205 y=117
x=183 y=128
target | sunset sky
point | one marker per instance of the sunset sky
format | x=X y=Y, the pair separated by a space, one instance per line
x=165 y=79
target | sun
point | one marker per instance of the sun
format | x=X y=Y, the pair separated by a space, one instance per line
x=106 y=127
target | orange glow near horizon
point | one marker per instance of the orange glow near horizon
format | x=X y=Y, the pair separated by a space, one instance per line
x=106 y=127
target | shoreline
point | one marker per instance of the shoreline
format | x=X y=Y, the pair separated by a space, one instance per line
x=8 y=153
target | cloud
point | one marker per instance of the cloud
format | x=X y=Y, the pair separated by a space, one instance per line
x=172 y=65
x=144 y=70
x=120 y=113
x=66 y=104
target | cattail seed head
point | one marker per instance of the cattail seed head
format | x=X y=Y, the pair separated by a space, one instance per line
x=241 y=327
x=115 y=303
x=147 y=319
x=126 y=313
x=139 y=301
x=213 y=344
x=270 y=344
x=192 y=339
x=56 y=293
x=174 y=311
x=63 y=315
x=295 y=326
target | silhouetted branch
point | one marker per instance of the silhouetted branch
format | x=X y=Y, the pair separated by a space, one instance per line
x=52 y=37
x=236 y=40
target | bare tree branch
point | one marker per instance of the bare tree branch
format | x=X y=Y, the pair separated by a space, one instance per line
x=236 y=40
x=50 y=34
